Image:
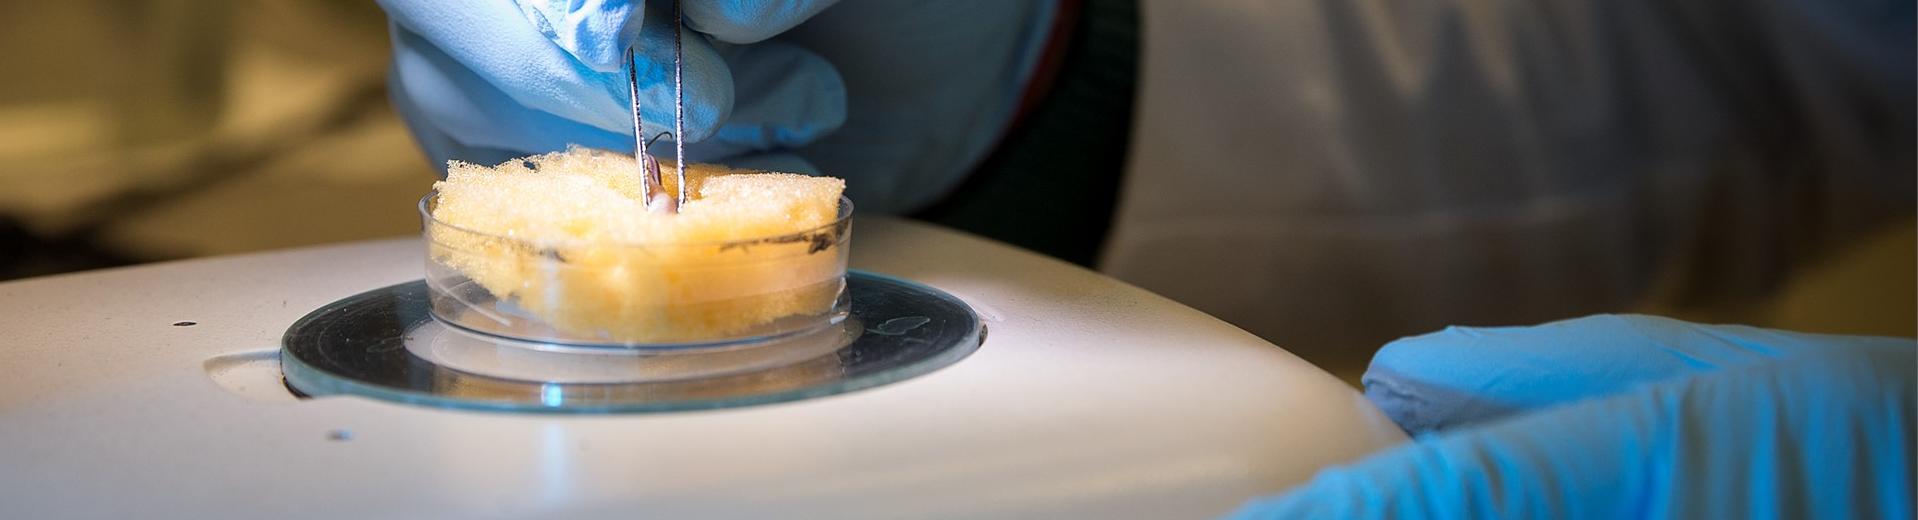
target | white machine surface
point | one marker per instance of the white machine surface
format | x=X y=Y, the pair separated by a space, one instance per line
x=1089 y=399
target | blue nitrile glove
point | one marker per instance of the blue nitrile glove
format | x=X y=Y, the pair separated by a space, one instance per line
x=485 y=81
x=1631 y=417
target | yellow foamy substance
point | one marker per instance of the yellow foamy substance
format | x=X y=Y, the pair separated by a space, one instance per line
x=565 y=237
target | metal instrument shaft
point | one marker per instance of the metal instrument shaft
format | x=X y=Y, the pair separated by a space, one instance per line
x=652 y=189
x=679 y=105
x=650 y=182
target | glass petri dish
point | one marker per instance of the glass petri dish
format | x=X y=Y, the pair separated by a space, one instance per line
x=586 y=296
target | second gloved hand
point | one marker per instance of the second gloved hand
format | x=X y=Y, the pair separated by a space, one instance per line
x=1631 y=417
x=490 y=80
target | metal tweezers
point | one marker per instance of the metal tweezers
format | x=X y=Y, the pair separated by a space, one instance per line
x=652 y=189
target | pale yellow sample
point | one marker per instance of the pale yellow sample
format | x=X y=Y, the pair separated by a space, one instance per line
x=565 y=237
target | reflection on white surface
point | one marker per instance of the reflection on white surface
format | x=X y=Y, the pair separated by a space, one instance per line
x=254 y=375
x=556 y=471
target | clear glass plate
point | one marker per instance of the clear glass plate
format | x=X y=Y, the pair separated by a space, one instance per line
x=386 y=345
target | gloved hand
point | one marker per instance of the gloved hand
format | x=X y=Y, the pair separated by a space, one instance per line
x=486 y=81
x=1630 y=417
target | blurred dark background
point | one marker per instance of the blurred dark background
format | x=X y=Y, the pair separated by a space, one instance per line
x=164 y=129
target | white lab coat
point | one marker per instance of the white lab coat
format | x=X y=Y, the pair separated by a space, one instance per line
x=1330 y=174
